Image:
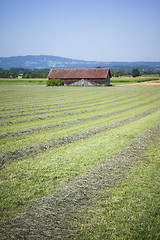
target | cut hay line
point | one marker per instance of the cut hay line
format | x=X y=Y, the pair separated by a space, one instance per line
x=106 y=104
x=25 y=140
x=98 y=93
x=70 y=122
x=59 y=106
x=61 y=114
x=82 y=99
x=74 y=108
x=48 y=218
x=52 y=143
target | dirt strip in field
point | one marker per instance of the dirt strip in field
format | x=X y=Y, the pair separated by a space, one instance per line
x=48 y=218
x=52 y=143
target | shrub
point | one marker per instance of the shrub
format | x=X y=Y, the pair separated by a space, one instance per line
x=54 y=82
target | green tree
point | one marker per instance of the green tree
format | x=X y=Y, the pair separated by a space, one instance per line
x=135 y=72
x=117 y=72
x=26 y=75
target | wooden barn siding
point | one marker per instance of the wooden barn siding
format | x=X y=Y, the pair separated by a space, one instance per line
x=92 y=80
x=107 y=82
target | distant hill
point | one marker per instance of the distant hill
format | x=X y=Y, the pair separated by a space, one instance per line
x=47 y=62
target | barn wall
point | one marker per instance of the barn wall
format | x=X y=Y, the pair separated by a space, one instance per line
x=107 y=82
x=82 y=82
x=94 y=81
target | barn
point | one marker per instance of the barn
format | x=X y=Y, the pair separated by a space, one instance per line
x=83 y=77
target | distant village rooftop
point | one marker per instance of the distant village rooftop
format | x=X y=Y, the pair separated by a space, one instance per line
x=81 y=76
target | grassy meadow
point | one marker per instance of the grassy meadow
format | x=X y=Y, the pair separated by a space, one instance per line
x=52 y=135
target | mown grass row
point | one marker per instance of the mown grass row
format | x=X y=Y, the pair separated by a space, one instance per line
x=85 y=112
x=12 y=97
x=67 y=139
x=96 y=121
x=63 y=113
x=65 y=108
x=34 y=176
x=70 y=122
x=129 y=211
x=15 y=94
x=63 y=128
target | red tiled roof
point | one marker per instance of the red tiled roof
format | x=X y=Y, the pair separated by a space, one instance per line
x=79 y=73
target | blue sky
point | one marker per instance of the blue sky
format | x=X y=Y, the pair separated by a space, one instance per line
x=101 y=30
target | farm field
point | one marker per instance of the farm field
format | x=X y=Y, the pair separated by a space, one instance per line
x=69 y=156
x=114 y=80
x=130 y=80
x=23 y=81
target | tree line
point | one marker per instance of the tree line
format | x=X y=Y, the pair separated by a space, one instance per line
x=24 y=73
x=43 y=73
x=134 y=73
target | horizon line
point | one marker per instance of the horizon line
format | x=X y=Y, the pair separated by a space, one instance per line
x=113 y=61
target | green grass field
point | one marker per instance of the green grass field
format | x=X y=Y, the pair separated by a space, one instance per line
x=129 y=80
x=25 y=81
x=52 y=135
x=131 y=210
